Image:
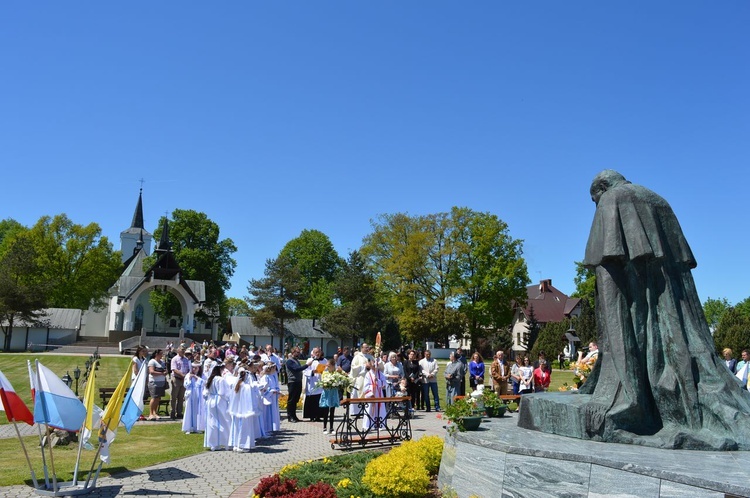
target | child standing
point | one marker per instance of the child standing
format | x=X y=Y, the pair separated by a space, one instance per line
x=330 y=398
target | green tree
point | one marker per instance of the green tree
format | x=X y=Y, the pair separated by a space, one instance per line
x=237 y=307
x=397 y=251
x=361 y=310
x=551 y=340
x=585 y=324
x=317 y=262
x=461 y=261
x=490 y=273
x=274 y=298
x=532 y=329
x=77 y=260
x=202 y=255
x=714 y=309
x=743 y=307
x=23 y=287
x=585 y=281
x=733 y=331
x=8 y=229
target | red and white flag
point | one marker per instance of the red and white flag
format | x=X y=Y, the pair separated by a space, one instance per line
x=12 y=405
x=32 y=380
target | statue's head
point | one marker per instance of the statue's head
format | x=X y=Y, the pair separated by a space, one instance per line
x=604 y=181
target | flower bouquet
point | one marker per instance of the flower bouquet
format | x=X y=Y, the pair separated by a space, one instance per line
x=335 y=380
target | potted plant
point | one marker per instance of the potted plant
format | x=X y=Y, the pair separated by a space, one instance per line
x=493 y=405
x=463 y=415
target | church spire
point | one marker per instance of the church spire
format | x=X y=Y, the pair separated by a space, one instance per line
x=164 y=244
x=138 y=215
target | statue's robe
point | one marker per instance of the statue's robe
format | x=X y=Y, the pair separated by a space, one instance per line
x=659 y=381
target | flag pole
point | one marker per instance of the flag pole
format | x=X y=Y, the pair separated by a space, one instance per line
x=35 y=387
x=26 y=453
x=46 y=430
x=78 y=457
x=44 y=459
x=102 y=430
x=80 y=434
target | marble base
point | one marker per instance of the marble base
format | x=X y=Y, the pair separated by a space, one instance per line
x=502 y=459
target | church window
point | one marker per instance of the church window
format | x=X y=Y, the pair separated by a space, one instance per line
x=138 y=324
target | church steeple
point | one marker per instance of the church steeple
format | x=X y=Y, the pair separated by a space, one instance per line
x=138 y=215
x=136 y=237
x=164 y=244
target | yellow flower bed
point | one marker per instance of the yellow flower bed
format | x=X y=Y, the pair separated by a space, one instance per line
x=405 y=471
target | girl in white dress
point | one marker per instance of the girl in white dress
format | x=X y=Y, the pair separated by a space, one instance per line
x=257 y=399
x=269 y=385
x=216 y=393
x=242 y=411
x=195 y=405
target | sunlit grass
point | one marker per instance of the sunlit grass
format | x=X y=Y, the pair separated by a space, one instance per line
x=146 y=445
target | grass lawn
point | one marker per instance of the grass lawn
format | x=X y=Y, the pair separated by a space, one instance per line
x=145 y=445
x=111 y=370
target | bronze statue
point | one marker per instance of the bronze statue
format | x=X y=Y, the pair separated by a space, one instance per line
x=658 y=380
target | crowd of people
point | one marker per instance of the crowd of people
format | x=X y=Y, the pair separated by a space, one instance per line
x=741 y=368
x=231 y=394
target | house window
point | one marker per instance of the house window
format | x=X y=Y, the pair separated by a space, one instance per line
x=518 y=338
x=138 y=324
x=173 y=323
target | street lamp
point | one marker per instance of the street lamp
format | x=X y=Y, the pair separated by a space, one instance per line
x=77 y=375
x=66 y=378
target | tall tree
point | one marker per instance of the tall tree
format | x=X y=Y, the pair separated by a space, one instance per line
x=714 y=309
x=77 y=260
x=585 y=281
x=274 y=298
x=202 y=256
x=360 y=309
x=462 y=260
x=733 y=331
x=532 y=329
x=23 y=287
x=551 y=340
x=318 y=263
x=490 y=273
x=237 y=307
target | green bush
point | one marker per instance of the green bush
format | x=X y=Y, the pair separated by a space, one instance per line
x=405 y=471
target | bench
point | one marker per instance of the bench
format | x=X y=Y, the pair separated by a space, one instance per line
x=105 y=394
x=392 y=429
x=511 y=398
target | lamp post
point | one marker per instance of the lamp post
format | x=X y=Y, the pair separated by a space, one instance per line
x=66 y=378
x=77 y=375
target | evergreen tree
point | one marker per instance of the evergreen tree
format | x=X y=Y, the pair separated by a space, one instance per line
x=551 y=340
x=733 y=332
x=532 y=329
x=274 y=298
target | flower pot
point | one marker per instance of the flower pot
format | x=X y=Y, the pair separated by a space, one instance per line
x=498 y=411
x=471 y=423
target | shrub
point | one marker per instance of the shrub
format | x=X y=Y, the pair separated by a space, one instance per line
x=274 y=486
x=428 y=450
x=317 y=490
x=397 y=475
x=406 y=470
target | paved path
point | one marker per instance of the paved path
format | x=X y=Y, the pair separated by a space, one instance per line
x=224 y=473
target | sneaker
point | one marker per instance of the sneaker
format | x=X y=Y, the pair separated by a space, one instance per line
x=325 y=431
x=187 y=433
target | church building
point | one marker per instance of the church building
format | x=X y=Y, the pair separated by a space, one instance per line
x=128 y=311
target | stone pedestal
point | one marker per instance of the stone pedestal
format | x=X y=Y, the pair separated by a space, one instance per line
x=502 y=459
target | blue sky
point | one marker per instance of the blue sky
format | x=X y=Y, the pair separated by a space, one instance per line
x=274 y=117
